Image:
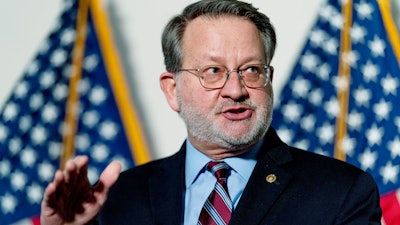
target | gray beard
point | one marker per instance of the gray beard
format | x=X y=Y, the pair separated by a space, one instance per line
x=202 y=128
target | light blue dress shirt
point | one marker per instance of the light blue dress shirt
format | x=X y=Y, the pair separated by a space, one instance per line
x=200 y=182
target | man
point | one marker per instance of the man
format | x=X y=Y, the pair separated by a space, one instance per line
x=217 y=56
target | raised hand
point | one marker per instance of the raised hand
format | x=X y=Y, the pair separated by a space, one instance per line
x=71 y=199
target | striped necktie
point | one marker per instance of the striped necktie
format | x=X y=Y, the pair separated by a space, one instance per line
x=217 y=209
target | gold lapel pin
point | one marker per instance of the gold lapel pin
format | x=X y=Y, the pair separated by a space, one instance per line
x=271 y=178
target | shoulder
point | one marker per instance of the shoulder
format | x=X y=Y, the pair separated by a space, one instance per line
x=310 y=161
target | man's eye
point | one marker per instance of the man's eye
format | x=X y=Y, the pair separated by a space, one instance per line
x=252 y=69
x=213 y=70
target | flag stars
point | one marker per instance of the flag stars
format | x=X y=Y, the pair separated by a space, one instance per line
x=389 y=173
x=84 y=86
x=362 y=96
x=18 y=180
x=50 y=113
x=34 y=193
x=8 y=203
x=323 y=71
x=308 y=122
x=355 y=120
x=341 y=83
x=309 y=62
x=46 y=171
x=15 y=145
x=58 y=57
x=108 y=130
x=364 y=10
x=377 y=47
x=82 y=142
x=337 y=21
x=370 y=71
x=331 y=46
x=98 y=95
x=317 y=37
x=326 y=133
x=292 y=111
x=90 y=118
x=10 y=111
x=3 y=133
x=90 y=62
x=357 y=33
x=396 y=121
x=28 y=157
x=54 y=150
x=47 y=79
x=38 y=135
x=332 y=107
x=5 y=168
x=60 y=92
x=382 y=109
x=99 y=152
x=21 y=90
x=44 y=47
x=68 y=36
x=394 y=147
x=36 y=102
x=286 y=134
x=374 y=135
x=316 y=97
x=368 y=159
x=351 y=58
x=348 y=145
x=300 y=87
x=32 y=68
x=25 y=123
x=390 y=85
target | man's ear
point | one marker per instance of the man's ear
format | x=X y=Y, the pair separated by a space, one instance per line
x=168 y=86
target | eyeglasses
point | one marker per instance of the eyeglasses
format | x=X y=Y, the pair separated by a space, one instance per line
x=215 y=76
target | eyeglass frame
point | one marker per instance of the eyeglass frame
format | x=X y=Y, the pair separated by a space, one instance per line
x=268 y=73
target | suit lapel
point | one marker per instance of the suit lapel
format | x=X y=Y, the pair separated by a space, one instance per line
x=166 y=188
x=266 y=183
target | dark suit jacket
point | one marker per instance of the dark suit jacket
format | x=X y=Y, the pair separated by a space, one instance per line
x=309 y=190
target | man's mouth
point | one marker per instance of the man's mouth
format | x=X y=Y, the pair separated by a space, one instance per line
x=237 y=113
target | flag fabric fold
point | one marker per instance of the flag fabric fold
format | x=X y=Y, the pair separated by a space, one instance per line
x=342 y=97
x=72 y=99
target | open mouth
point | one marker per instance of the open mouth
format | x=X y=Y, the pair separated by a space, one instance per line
x=237 y=113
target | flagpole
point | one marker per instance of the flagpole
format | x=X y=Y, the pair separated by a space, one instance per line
x=70 y=125
x=343 y=81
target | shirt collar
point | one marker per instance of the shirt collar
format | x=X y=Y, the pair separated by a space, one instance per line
x=196 y=160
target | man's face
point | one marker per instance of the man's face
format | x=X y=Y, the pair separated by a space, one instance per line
x=234 y=117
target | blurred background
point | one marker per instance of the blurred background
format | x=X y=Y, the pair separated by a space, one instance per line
x=137 y=27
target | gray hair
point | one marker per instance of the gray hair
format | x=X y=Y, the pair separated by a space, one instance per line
x=173 y=33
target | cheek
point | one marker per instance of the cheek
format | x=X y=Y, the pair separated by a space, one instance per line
x=193 y=94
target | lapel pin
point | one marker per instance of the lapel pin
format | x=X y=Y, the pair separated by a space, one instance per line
x=271 y=178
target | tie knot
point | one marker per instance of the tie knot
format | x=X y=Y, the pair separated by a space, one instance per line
x=219 y=169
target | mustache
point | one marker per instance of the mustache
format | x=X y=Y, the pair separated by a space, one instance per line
x=247 y=103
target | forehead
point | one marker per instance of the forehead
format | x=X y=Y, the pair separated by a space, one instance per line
x=222 y=36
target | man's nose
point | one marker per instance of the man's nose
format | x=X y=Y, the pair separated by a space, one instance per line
x=234 y=87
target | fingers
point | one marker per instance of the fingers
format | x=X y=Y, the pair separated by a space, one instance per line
x=76 y=168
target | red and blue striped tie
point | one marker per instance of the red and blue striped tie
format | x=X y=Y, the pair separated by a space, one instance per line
x=217 y=209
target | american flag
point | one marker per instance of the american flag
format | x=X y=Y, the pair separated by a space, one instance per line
x=342 y=98
x=71 y=99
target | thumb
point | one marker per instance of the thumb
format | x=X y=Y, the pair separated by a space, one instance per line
x=107 y=178
x=110 y=174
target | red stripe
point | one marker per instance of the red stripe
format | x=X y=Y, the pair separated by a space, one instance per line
x=35 y=220
x=391 y=208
